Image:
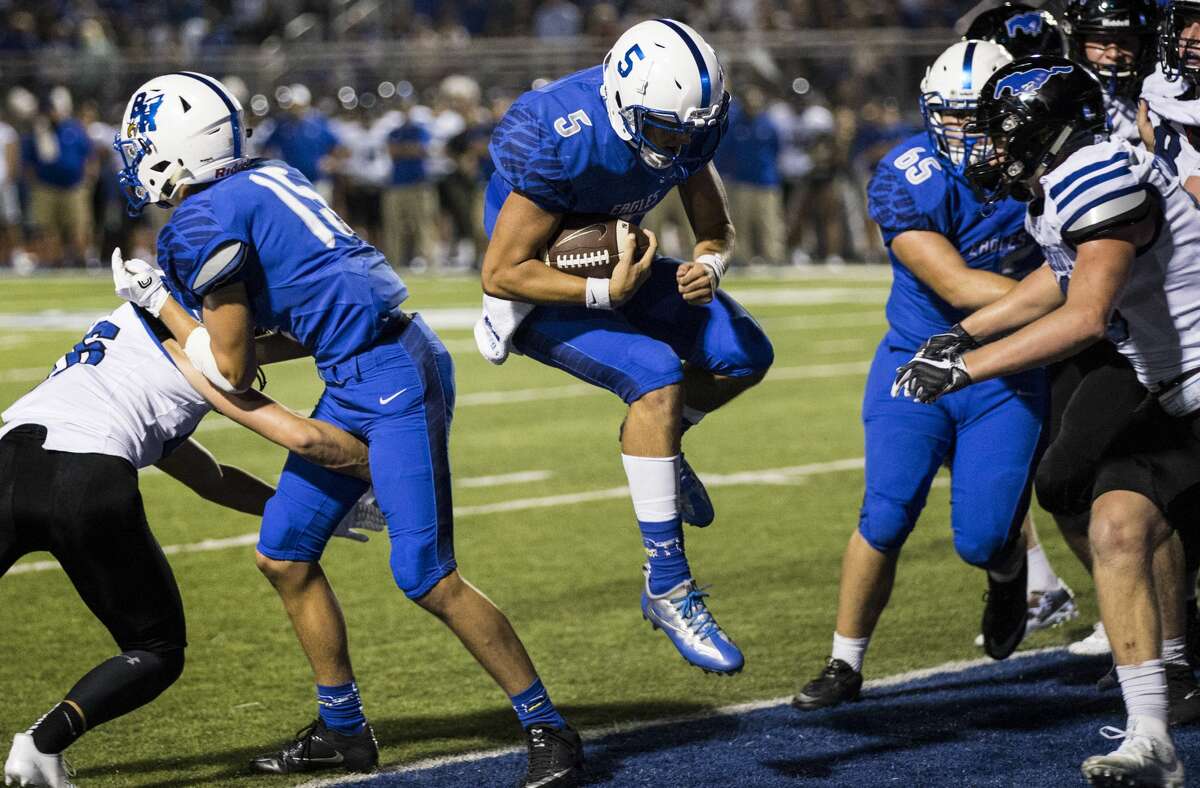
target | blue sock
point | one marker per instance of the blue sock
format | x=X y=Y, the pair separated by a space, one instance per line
x=340 y=708
x=534 y=707
x=664 y=548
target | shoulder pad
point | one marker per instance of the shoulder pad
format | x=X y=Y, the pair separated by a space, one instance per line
x=1128 y=208
x=908 y=192
x=525 y=154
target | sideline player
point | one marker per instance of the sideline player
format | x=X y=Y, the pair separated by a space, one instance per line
x=252 y=245
x=1122 y=241
x=615 y=139
x=124 y=398
x=949 y=258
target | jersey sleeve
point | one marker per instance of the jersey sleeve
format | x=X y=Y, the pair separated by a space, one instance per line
x=1094 y=197
x=526 y=156
x=898 y=206
x=199 y=253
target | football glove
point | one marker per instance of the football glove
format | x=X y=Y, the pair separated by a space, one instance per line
x=139 y=283
x=365 y=516
x=954 y=341
x=927 y=379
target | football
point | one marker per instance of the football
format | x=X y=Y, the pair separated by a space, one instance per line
x=589 y=245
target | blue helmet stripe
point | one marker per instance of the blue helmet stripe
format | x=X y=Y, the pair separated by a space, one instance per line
x=705 y=80
x=968 y=58
x=233 y=113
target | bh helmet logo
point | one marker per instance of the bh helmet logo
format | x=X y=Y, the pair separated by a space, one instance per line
x=1029 y=24
x=143 y=111
x=1028 y=80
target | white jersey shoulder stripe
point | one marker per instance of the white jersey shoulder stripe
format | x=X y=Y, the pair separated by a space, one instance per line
x=1110 y=207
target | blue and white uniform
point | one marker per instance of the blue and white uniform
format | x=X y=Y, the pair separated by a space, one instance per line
x=388 y=379
x=555 y=146
x=992 y=429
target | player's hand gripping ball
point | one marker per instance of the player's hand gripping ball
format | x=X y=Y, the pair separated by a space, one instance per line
x=590 y=246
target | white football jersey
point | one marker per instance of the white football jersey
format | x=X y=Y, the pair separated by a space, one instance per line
x=1157 y=324
x=1122 y=119
x=1174 y=112
x=117 y=392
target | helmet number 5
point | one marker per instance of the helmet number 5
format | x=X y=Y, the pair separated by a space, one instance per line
x=625 y=67
x=572 y=124
x=916 y=168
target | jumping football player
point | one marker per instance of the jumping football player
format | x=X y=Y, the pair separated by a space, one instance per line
x=252 y=245
x=615 y=140
x=124 y=398
x=1122 y=241
x=949 y=257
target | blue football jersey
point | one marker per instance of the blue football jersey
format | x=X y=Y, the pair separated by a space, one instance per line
x=305 y=270
x=912 y=190
x=556 y=147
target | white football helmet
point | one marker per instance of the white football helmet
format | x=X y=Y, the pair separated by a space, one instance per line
x=181 y=128
x=952 y=85
x=662 y=75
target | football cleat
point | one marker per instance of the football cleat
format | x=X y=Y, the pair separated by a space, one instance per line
x=1047 y=609
x=1004 y=615
x=1141 y=760
x=26 y=765
x=317 y=747
x=682 y=614
x=837 y=684
x=1183 y=695
x=555 y=757
x=695 y=506
x=1094 y=645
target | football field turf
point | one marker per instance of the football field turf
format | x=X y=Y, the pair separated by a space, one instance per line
x=542 y=526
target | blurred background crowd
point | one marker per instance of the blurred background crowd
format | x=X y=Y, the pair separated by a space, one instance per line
x=388 y=106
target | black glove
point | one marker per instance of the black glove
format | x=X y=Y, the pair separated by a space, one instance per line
x=927 y=379
x=954 y=341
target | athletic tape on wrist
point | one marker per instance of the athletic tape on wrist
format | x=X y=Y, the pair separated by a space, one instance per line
x=597 y=294
x=715 y=263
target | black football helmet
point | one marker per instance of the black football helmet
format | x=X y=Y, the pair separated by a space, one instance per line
x=1178 y=49
x=1109 y=19
x=1034 y=110
x=1019 y=28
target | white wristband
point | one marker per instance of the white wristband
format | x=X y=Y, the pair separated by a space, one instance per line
x=715 y=263
x=597 y=294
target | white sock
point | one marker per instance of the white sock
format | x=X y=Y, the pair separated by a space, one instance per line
x=691 y=416
x=1041 y=576
x=1144 y=688
x=850 y=650
x=1174 y=651
x=654 y=487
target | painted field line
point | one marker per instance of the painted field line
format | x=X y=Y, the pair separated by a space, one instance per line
x=591 y=734
x=787 y=475
x=520 y=477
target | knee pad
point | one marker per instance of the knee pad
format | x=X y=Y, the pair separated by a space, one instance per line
x=885 y=523
x=744 y=349
x=982 y=550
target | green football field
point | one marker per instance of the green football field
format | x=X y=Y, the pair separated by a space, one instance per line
x=541 y=526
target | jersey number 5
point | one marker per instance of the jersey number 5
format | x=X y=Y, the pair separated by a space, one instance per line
x=572 y=124
x=916 y=168
x=308 y=206
x=89 y=350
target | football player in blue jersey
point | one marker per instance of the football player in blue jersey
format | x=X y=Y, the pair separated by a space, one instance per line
x=615 y=140
x=251 y=246
x=949 y=256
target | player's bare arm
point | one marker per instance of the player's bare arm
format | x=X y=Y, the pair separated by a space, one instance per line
x=316 y=441
x=513 y=269
x=196 y=468
x=1033 y=297
x=935 y=261
x=707 y=207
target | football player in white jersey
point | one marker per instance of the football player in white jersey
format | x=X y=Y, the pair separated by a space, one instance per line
x=1170 y=115
x=1116 y=40
x=69 y=454
x=1122 y=242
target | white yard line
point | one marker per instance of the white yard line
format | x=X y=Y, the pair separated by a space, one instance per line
x=591 y=734
x=520 y=477
x=787 y=475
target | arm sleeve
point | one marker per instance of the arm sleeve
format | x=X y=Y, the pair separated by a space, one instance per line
x=527 y=157
x=896 y=206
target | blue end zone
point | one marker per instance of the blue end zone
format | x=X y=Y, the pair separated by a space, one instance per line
x=1029 y=721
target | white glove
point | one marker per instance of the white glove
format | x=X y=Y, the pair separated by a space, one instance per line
x=139 y=283
x=365 y=516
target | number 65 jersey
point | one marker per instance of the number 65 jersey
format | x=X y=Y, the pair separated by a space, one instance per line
x=912 y=190
x=116 y=393
x=305 y=271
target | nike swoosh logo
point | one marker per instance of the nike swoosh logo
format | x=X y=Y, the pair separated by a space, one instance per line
x=386 y=400
x=579 y=233
x=335 y=758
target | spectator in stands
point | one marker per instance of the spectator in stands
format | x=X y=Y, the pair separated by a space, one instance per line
x=304 y=139
x=365 y=169
x=410 y=200
x=557 y=19
x=751 y=159
x=59 y=169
